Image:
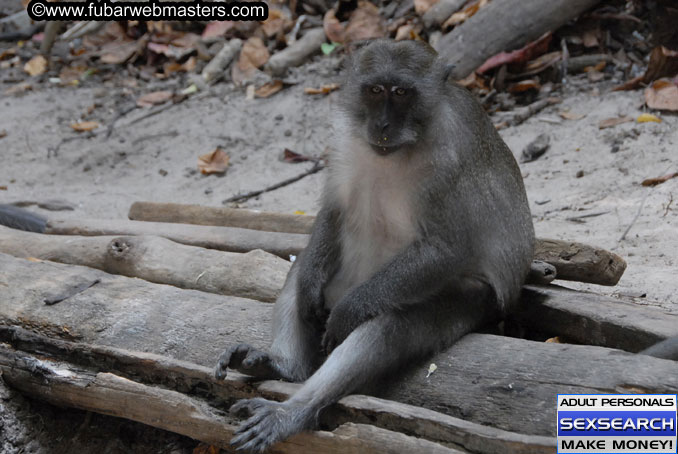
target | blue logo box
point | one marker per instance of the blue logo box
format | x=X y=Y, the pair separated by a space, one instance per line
x=617 y=423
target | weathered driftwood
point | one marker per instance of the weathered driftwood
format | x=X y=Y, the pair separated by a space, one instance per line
x=221 y=216
x=593 y=319
x=64 y=384
x=485 y=379
x=255 y=274
x=593 y=265
x=504 y=25
x=541 y=273
x=195 y=380
x=441 y=11
x=573 y=261
x=230 y=239
x=297 y=53
x=216 y=68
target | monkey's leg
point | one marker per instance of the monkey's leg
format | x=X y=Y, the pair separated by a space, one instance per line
x=375 y=349
x=295 y=350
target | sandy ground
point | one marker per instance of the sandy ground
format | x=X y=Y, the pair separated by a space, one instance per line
x=155 y=158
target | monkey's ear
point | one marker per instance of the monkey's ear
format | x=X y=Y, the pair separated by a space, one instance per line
x=447 y=70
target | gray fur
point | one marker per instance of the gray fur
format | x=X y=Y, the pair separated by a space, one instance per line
x=424 y=235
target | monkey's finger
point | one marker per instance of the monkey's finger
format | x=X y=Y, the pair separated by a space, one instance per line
x=253 y=421
x=231 y=357
x=257 y=444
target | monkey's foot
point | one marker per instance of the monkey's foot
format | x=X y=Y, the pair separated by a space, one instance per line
x=248 y=360
x=269 y=423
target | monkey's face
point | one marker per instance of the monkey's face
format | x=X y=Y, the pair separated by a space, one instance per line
x=387 y=107
x=390 y=95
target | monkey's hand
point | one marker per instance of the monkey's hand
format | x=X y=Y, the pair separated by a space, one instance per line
x=311 y=302
x=345 y=317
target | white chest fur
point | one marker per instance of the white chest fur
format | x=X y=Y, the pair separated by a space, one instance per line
x=375 y=194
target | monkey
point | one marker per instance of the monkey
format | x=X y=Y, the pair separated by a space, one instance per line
x=424 y=234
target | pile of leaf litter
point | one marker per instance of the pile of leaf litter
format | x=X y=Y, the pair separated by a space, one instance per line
x=631 y=44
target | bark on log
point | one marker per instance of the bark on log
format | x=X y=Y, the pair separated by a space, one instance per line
x=66 y=385
x=474 y=379
x=223 y=238
x=221 y=216
x=255 y=274
x=581 y=262
x=504 y=25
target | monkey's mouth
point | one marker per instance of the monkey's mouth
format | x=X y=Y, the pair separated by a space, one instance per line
x=383 y=151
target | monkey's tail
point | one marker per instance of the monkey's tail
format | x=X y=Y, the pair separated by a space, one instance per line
x=21 y=219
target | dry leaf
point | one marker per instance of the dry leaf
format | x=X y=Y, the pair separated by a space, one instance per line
x=3 y=134
x=431 y=368
x=567 y=115
x=365 y=23
x=590 y=38
x=70 y=75
x=294 y=157
x=659 y=180
x=269 y=89
x=36 y=65
x=334 y=30
x=217 y=28
x=526 y=53
x=421 y=6
x=215 y=162
x=407 y=31
x=553 y=340
x=275 y=24
x=253 y=55
x=663 y=63
x=524 y=85
x=156 y=97
x=609 y=122
x=662 y=95
x=85 y=126
x=324 y=90
x=647 y=118
x=463 y=15
x=118 y=52
x=204 y=448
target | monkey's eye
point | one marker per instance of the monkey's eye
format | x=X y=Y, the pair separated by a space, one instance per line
x=376 y=89
x=399 y=91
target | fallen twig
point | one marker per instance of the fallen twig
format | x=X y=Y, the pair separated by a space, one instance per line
x=248 y=195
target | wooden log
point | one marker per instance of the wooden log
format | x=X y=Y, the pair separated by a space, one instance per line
x=297 y=53
x=588 y=318
x=221 y=216
x=223 y=238
x=504 y=25
x=581 y=262
x=573 y=261
x=255 y=274
x=484 y=379
x=63 y=384
x=541 y=273
x=216 y=68
x=193 y=379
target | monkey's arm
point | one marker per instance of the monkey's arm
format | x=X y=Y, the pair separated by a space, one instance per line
x=317 y=263
x=424 y=269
